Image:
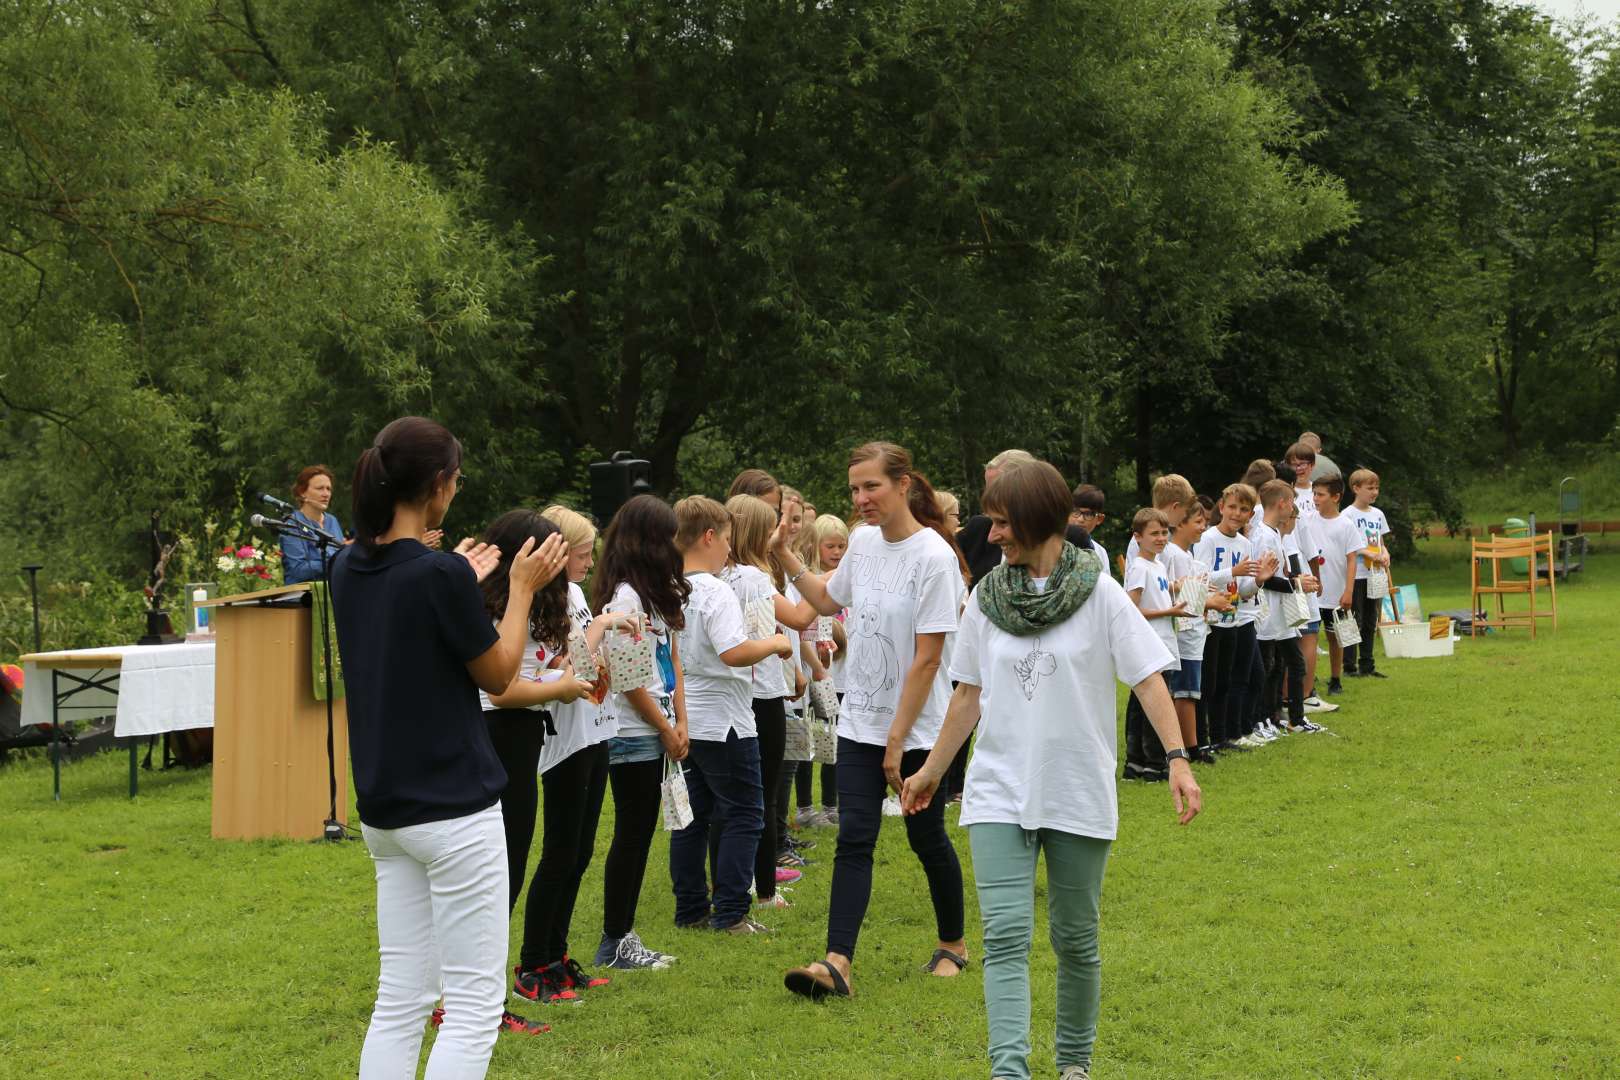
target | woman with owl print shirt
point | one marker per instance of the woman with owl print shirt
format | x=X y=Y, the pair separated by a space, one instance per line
x=901 y=581
x=1043 y=640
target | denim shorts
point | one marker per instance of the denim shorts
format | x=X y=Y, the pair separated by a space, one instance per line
x=1188 y=682
x=630 y=749
x=1311 y=628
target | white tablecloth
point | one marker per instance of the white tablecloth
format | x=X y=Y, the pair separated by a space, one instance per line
x=160 y=688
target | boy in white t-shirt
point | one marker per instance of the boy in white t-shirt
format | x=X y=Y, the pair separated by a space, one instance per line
x=1231 y=648
x=1340 y=542
x=1278 y=639
x=1089 y=513
x=1148 y=584
x=723 y=773
x=1174 y=495
x=1301 y=460
x=1373 y=527
x=1186 y=685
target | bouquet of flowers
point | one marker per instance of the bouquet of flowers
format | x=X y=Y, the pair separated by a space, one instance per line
x=246 y=568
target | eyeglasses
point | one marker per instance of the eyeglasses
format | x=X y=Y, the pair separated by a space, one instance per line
x=1090 y=514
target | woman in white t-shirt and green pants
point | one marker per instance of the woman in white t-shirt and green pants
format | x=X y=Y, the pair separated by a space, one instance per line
x=1043 y=640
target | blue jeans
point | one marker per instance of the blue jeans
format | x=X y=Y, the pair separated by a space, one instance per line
x=723 y=784
x=630 y=749
x=1004 y=858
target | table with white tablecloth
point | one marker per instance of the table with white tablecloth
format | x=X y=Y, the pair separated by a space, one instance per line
x=149 y=689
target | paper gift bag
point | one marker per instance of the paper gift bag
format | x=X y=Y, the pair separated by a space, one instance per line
x=675 y=803
x=798 y=744
x=630 y=657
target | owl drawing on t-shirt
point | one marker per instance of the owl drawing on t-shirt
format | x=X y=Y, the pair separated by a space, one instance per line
x=1030 y=669
x=874 y=667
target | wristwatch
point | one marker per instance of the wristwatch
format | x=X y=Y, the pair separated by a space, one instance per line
x=1178 y=752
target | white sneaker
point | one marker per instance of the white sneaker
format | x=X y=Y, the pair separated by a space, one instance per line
x=1251 y=742
x=777 y=901
x=632 y=949
x=891 y=806
x=1075 y=1072
x=807 y=817
x=1265 y=732
x=1316 y=704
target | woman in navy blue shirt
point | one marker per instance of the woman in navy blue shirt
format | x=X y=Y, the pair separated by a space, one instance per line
x=301 y=558
x=417 y=647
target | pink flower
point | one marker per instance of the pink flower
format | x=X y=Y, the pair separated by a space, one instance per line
x=246 y=552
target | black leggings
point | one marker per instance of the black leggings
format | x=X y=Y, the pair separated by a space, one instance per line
x=1142 y=746
x=861 y=788
x=1219 y=650
x=770 y=718
x=517 y=735
x=1359 y=658
x=803 y=779
x=1284 y=661
x=574 y=789
x=636 y=793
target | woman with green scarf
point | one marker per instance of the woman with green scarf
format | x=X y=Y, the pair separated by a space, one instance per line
x=1043 y=640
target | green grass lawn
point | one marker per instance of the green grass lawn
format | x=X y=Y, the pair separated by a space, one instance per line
x=1433 y=893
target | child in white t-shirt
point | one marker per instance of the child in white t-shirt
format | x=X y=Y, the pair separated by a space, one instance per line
x=1230 y=651
x=1301 y=460
x=1186 y=684
x=1278 y=639
x=1148 y=584
x=1373 y=527
x=1340 y=543
x=723 y=777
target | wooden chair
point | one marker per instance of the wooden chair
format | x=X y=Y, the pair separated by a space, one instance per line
x=1538 y=553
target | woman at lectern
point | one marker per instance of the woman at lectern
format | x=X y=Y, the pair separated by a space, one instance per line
x=301 y=558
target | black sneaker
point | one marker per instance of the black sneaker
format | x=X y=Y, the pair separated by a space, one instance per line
x=1133 y=771
x=578 y=979
x=544 y=986
x=1335 y=687
x=1373 y=675
x=1155 y=776
x=793 y=843
x=1204 y=755
x=522 y=1025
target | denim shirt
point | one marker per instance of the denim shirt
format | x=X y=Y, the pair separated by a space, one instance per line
x=300 y=559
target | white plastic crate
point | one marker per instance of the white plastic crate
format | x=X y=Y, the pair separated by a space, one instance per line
x=1411 y=641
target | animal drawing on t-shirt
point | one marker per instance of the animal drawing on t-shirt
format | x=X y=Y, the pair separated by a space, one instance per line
x=874 y=665
x=1030 y=669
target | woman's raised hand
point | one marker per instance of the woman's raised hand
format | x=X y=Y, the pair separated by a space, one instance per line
x=534 y=567
x=482 y=557
x=779 y=535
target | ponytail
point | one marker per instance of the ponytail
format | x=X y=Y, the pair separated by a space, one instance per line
x=402 y=465
x=923 y=502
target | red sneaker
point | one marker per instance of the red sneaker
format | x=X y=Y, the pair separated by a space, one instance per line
x=545 y=986
x=576 y=977
x=511 y=1021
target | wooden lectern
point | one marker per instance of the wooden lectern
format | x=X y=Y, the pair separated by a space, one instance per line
x=270 y=767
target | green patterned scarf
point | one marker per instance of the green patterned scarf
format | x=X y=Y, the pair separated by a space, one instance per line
x=1009 y=600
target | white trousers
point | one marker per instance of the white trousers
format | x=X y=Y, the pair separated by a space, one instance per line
x=441 y=925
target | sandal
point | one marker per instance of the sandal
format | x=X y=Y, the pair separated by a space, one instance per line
x=960 y=961
x=803 y=981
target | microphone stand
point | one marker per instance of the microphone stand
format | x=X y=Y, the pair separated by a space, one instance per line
x=332 y=829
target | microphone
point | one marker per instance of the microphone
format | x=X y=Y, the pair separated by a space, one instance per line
x=259 y=521
x=271 y=500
